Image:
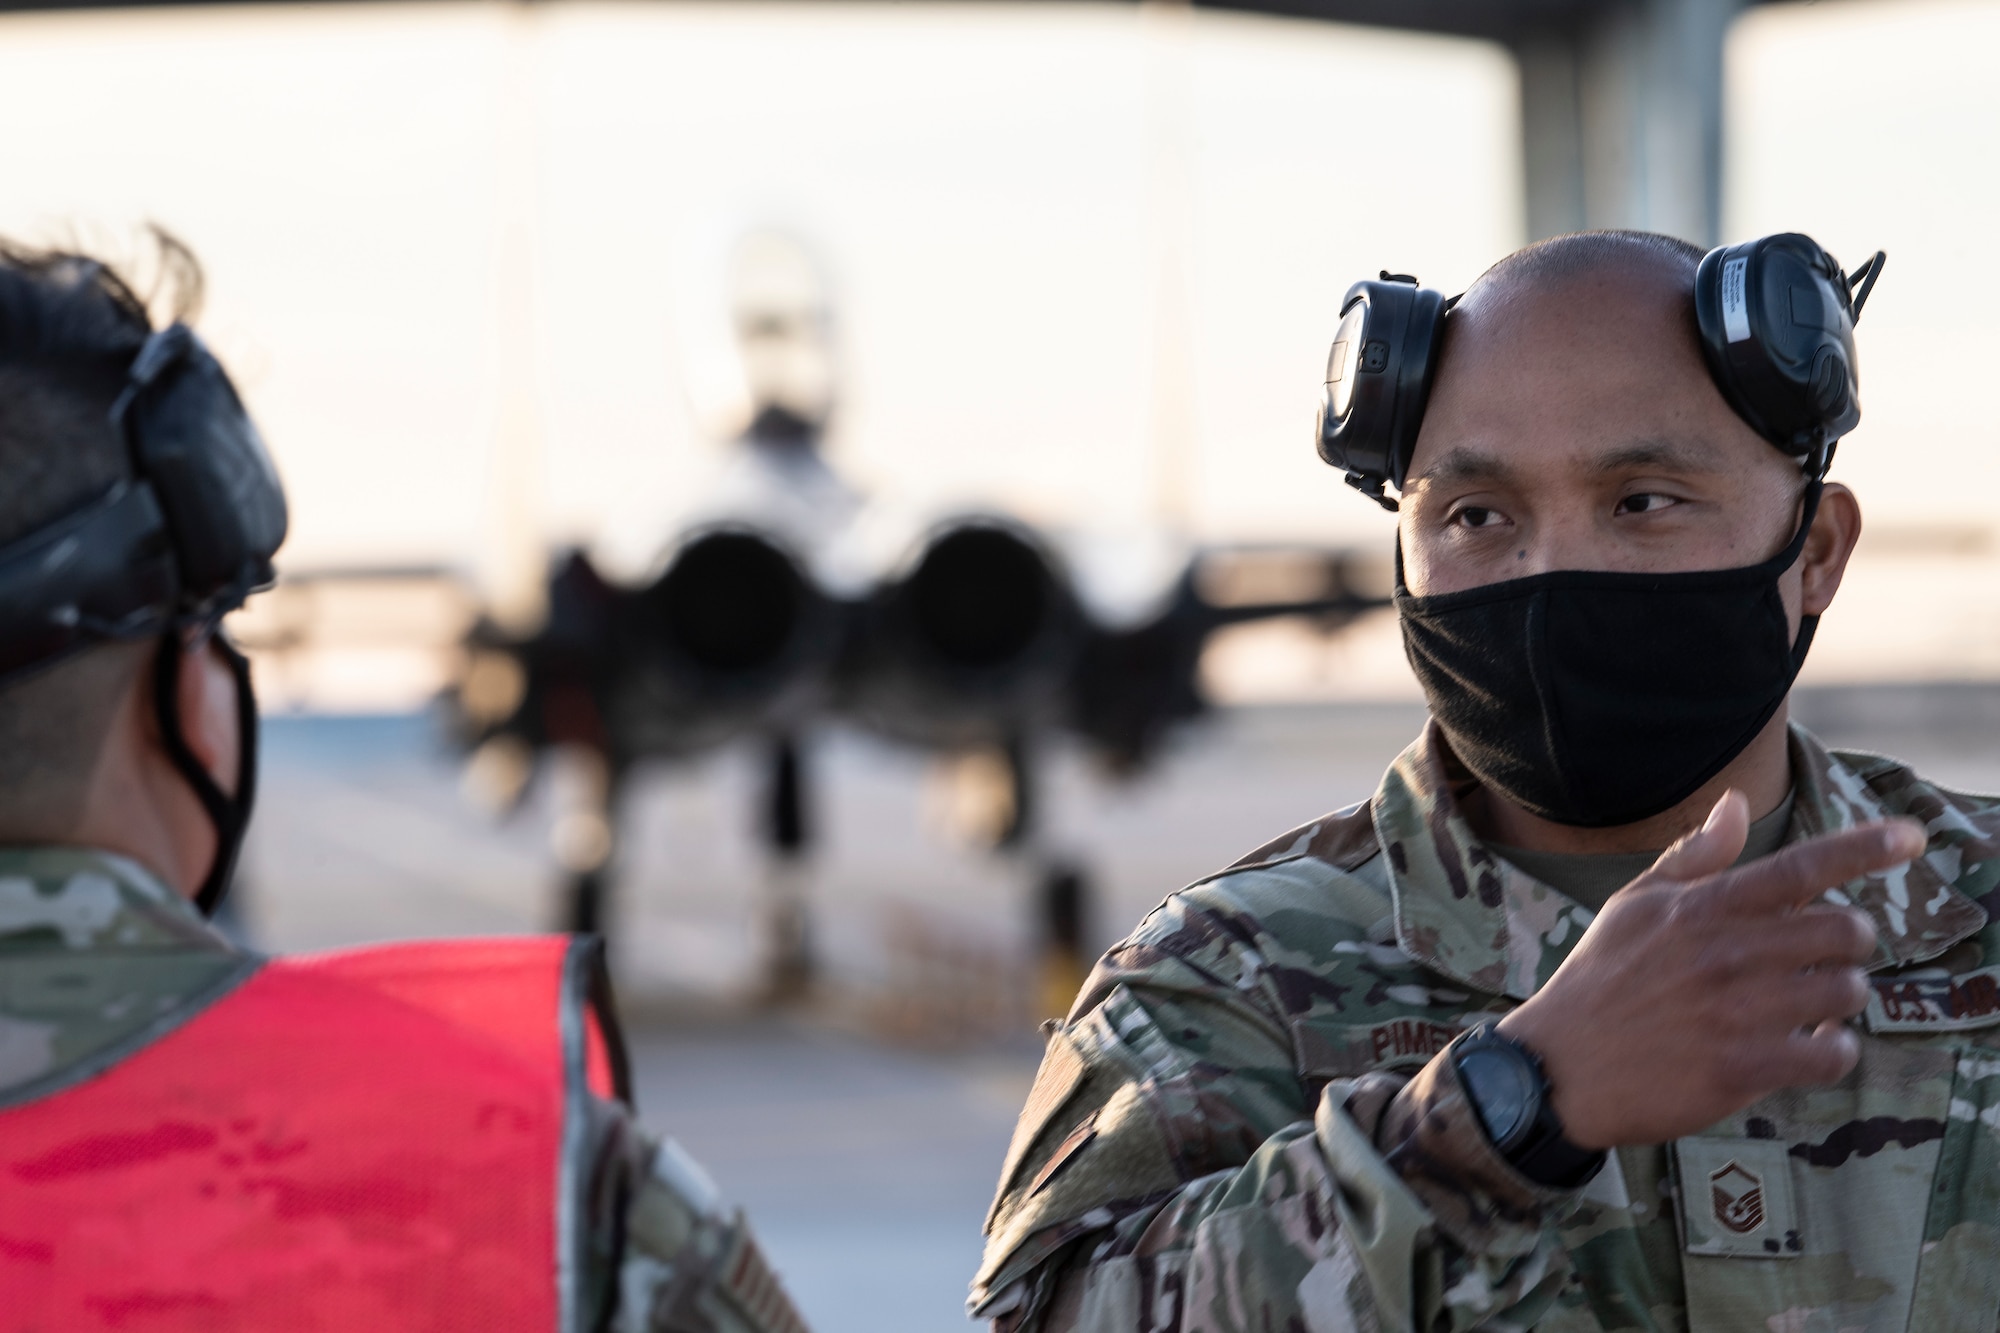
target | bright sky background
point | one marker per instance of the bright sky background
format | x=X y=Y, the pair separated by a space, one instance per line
x=984 y=183
x=1877 y=126
x=444 y=235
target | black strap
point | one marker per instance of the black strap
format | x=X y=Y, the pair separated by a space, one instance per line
x=102 y=572
x=588 y=959
x=230 y=815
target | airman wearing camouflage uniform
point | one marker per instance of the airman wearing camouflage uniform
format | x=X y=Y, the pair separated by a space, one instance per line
x=100 y=961
x=430 y=1135
x=1216 y=1141
x=1252 y=1118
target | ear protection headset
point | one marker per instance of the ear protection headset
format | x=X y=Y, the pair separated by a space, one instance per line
x=164 y=554
x=1775 y=318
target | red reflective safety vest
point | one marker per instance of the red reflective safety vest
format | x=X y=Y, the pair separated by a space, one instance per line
x=376 y=1139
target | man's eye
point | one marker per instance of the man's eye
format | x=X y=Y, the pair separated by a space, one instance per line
x=1646 y=502
x=1477 y=516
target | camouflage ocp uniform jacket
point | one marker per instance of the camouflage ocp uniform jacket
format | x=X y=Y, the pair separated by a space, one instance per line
x=98 y=959
x=1244 y=1125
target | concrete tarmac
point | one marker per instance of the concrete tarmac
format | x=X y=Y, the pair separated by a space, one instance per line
x=865 y=1169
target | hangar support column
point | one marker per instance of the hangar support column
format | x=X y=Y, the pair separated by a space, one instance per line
x=1621 y=100
x=1621 y=117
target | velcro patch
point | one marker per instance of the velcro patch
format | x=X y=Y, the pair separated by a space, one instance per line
x=1934 y=1004
x=1079 y=1138
x=1403 y=1043
x=1061 y=1074
x=1736 y=1198
x=1348 y=1050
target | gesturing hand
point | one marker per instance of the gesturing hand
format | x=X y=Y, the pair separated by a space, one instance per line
x=1700 y=988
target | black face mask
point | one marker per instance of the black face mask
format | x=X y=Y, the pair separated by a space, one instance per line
x=229 y=814
x=1592 y=698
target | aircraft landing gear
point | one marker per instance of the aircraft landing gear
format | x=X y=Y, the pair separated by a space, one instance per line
x=584 y=837
x=1062 y=893
x=1062 y=908
x=786 y=920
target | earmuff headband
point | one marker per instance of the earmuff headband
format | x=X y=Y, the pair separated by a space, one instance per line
x=1775 y=320
x=102 y=572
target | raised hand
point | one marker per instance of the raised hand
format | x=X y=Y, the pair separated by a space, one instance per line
x=1701 y=988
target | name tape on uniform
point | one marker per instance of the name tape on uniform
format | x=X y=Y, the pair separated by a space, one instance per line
x=1352 y=1049
x=1934 y=1004
x=1406 y=1041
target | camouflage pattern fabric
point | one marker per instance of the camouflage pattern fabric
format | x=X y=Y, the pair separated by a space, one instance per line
x=1243 y=1124
x=97 y=959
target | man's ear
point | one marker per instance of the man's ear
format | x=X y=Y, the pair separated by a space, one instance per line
x=1835 y=530
x=207 y=704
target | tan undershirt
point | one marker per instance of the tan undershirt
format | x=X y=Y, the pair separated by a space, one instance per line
x=1590 y=880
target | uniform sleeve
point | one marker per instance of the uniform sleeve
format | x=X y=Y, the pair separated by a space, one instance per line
x=666 y=1255
x=1173 y=1171
x=691 y=1265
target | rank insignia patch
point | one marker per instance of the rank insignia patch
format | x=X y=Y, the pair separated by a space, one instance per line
x=1736 y=1199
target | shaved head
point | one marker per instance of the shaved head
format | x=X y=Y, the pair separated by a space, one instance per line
x=1564 y=257
x=1642 y=279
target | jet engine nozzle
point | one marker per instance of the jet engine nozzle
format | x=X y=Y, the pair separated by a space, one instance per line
x=732 y=610
x=981 y=600
x=972 y=643
x=732 y=636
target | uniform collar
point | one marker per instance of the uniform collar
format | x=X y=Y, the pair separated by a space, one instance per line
x=1464 y=912
x=1918 y=909
x=69 y=899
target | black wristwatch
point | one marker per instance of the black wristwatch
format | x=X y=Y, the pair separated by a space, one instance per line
x=1510 y=1094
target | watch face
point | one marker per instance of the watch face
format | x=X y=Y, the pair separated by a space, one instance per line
x=1503 y=1091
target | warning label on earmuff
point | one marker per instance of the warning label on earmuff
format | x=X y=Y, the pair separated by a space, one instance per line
x=1735 y=301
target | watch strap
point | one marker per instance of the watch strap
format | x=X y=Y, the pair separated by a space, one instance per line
x=1547 y=1157
x=1541 y=1152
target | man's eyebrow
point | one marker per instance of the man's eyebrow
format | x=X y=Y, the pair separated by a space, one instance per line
x=1671 y=455
x=1460 y=464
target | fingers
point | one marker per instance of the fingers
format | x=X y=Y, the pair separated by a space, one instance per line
x=1803 y=871
x=1824 y=1055
x=1819 y=936
x=1810 y=999
x=1712 y=848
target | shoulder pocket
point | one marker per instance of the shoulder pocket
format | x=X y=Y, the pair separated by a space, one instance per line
x=1056 y=1082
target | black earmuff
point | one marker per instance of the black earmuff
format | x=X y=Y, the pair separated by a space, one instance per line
x=190 y=439
x=1378 y=377
x=178 y=546
x=1776 y=323
x=1777 y=320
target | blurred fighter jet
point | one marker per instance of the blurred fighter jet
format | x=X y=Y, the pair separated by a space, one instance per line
x=771 y=613
x=754 y=629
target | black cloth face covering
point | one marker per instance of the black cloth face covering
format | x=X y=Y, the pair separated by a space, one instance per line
x=1593 y=698
x=230 y=814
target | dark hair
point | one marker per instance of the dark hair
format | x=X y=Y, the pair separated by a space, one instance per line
x=70 y=325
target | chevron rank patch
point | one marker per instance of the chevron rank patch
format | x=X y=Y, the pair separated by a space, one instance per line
x=1736 y=1198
